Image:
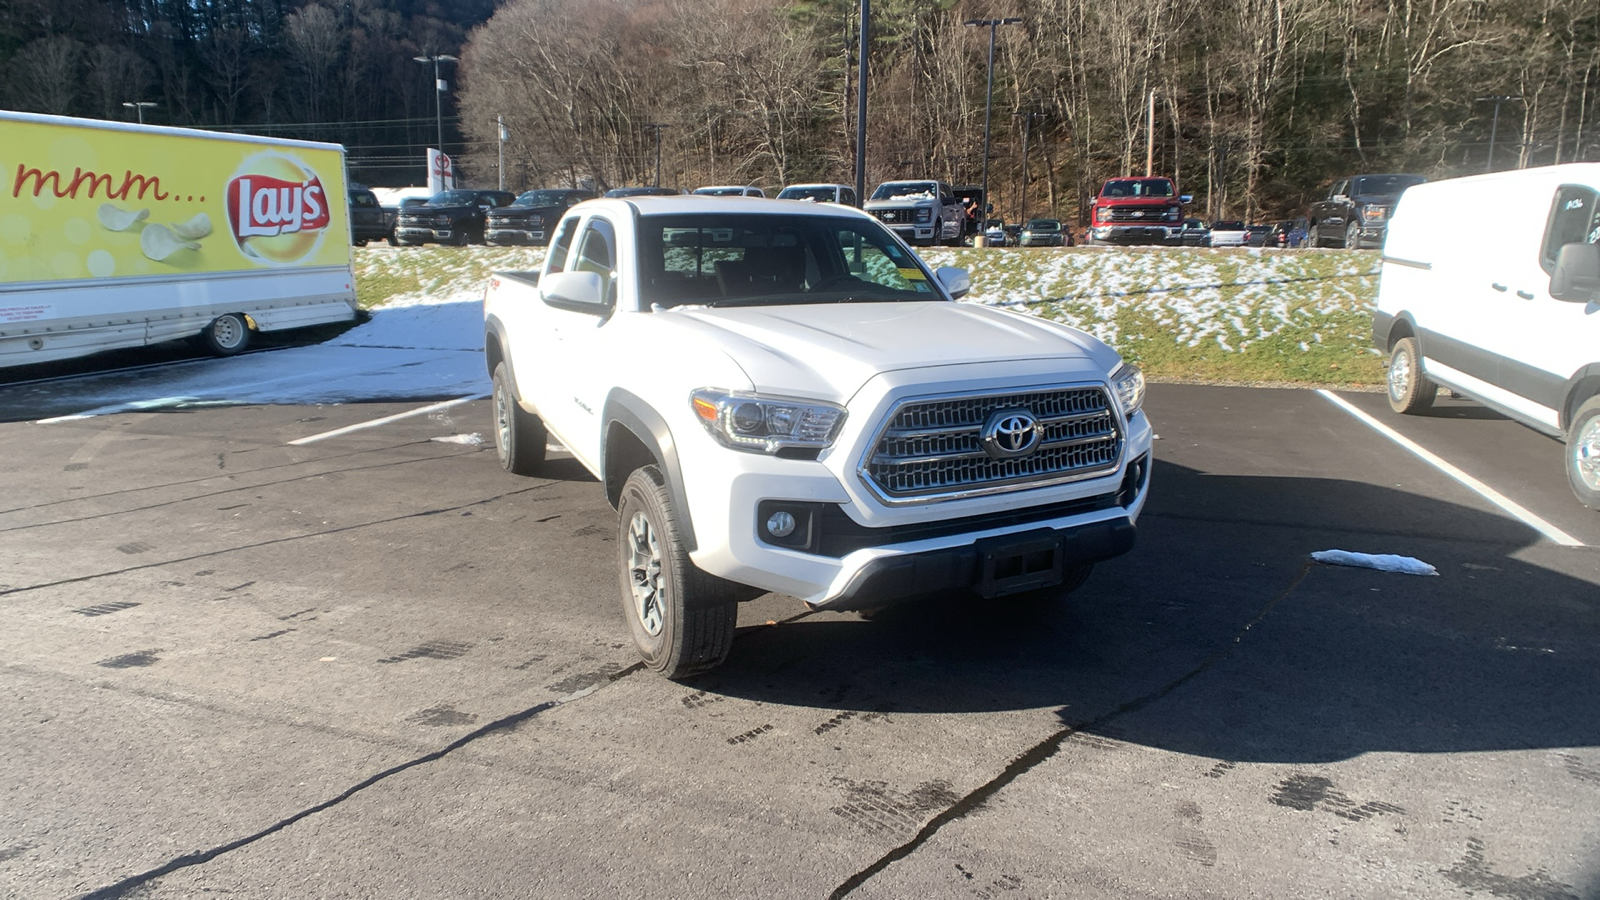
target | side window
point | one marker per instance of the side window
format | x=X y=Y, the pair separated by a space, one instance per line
x=882 y=263
x=1338 y=189
x=848 y=197
x=1574 y=219
x=597 y=254
x=561 y=243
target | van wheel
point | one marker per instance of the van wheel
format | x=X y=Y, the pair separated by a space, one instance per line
x=1410 y=391
x=519 y=438
x=225 y=336
x=681 y=618
x=1583 y=453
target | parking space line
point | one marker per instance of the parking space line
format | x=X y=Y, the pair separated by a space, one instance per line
x=1483 y=490
x=423 y=410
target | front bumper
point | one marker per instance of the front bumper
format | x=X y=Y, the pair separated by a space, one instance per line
x=515 y=236
x=419 y=235
x=1132 y=234
x=914 y=234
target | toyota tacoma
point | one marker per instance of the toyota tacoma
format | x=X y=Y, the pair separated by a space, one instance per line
x=780 y=397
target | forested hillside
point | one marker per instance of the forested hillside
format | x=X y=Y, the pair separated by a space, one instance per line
x=1258 y=103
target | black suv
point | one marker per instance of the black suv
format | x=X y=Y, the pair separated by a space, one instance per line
x=449 y=217
x=530 y=218
x=369 y=220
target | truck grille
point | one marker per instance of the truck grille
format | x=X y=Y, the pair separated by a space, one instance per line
x=935 y=447
x=894 y=216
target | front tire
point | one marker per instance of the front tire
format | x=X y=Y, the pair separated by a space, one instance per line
x=1352 y=237
x=227 y=335
x=681 y=619
x=1583 y=453
x=519 y=438
x=1410 y=391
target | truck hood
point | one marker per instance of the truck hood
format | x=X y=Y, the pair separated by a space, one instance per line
x=828 y=351
x=524 y=212
x=439 y=210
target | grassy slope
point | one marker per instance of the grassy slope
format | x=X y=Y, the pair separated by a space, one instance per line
x=1300 y=317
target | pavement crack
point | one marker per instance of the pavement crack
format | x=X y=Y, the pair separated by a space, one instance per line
x=283 y=540
x=1047 y=748
x=122 y=888
x=231 y=490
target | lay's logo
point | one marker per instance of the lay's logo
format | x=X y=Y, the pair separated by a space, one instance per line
x=277 y=209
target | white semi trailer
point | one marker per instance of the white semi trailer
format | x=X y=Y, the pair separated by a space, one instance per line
x=116 y=235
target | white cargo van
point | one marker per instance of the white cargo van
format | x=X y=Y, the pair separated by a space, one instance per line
x=1506 y=313
x=117 y=235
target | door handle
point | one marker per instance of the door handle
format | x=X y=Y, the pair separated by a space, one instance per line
x=1499 y=287
x=1524 y=295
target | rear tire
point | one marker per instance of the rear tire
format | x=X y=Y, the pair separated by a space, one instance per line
x=1410 y=391
x=225 y=336
x=1583 y=453
x=519 y=438
x=681 y=619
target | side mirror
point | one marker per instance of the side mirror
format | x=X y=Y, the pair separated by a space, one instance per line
x=1186 y=199
x=1576 y=278
x=989 y=208
x=582 y=292
x=956 y=282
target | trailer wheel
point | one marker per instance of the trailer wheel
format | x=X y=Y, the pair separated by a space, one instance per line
x=226 y=335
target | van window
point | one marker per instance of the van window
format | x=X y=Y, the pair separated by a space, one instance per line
x=563 y=240
x=1574 y=219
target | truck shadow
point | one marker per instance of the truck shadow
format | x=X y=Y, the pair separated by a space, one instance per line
x=1219 y=637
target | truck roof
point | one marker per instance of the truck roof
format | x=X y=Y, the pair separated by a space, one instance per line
x=681 y=204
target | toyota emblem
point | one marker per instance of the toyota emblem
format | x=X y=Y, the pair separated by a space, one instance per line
x=1011 y=433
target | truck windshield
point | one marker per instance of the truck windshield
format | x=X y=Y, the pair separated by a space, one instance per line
x=1138 y=187
x=1384 y=184
x=453 y=198
x=542 y=198
x=774 y=260
x=916 y=190
x=817 y=194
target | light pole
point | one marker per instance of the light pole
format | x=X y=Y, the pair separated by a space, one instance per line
x=500 y=121
x=139 y=106
x=656 y=127
x=439 y=87
x=1494 y=125
x=861 y=104
x=988 y=103
x=1027 y=123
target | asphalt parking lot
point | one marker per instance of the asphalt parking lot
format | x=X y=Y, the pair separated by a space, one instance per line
x=378 y=666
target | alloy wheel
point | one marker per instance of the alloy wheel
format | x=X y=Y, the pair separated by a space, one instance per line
x=644 y=574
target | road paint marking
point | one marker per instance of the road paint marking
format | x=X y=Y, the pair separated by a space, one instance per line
x=1510 y=506
x=419 y=411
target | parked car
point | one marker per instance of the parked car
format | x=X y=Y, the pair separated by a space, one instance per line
x=529 y=219
x=643 y=192
x=730 y=190
x=1230 y=233
x=842 y=194
x=1356 y=210
x=1256 y=235
x=1192 y=233
x=758 y=431
x=369 y=220
x=1288 y=235
x=458 y=216
x=1136 y=211
x=924 y=213
x=1503 y=315
x=1043 y=233
x=994 y=233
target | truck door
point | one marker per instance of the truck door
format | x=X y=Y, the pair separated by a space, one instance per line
x=578 y=391
x=534 y=338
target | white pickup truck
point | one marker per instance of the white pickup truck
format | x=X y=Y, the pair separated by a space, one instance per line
x=783 y=397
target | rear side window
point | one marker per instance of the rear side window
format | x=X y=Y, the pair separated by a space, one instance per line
x=1574 y=219
x=561 y=243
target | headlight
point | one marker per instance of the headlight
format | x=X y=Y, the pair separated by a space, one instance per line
x=746 y=421
x=924 y=214
x=1374 y=213
x=1128 y=382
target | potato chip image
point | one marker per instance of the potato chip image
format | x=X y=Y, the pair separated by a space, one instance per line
x=158 y=242
x=114 y=218
x=194 y=229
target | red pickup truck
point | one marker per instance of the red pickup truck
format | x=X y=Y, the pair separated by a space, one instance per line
x=1137 y=211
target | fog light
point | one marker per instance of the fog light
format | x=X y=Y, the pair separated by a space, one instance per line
x=780 y=524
